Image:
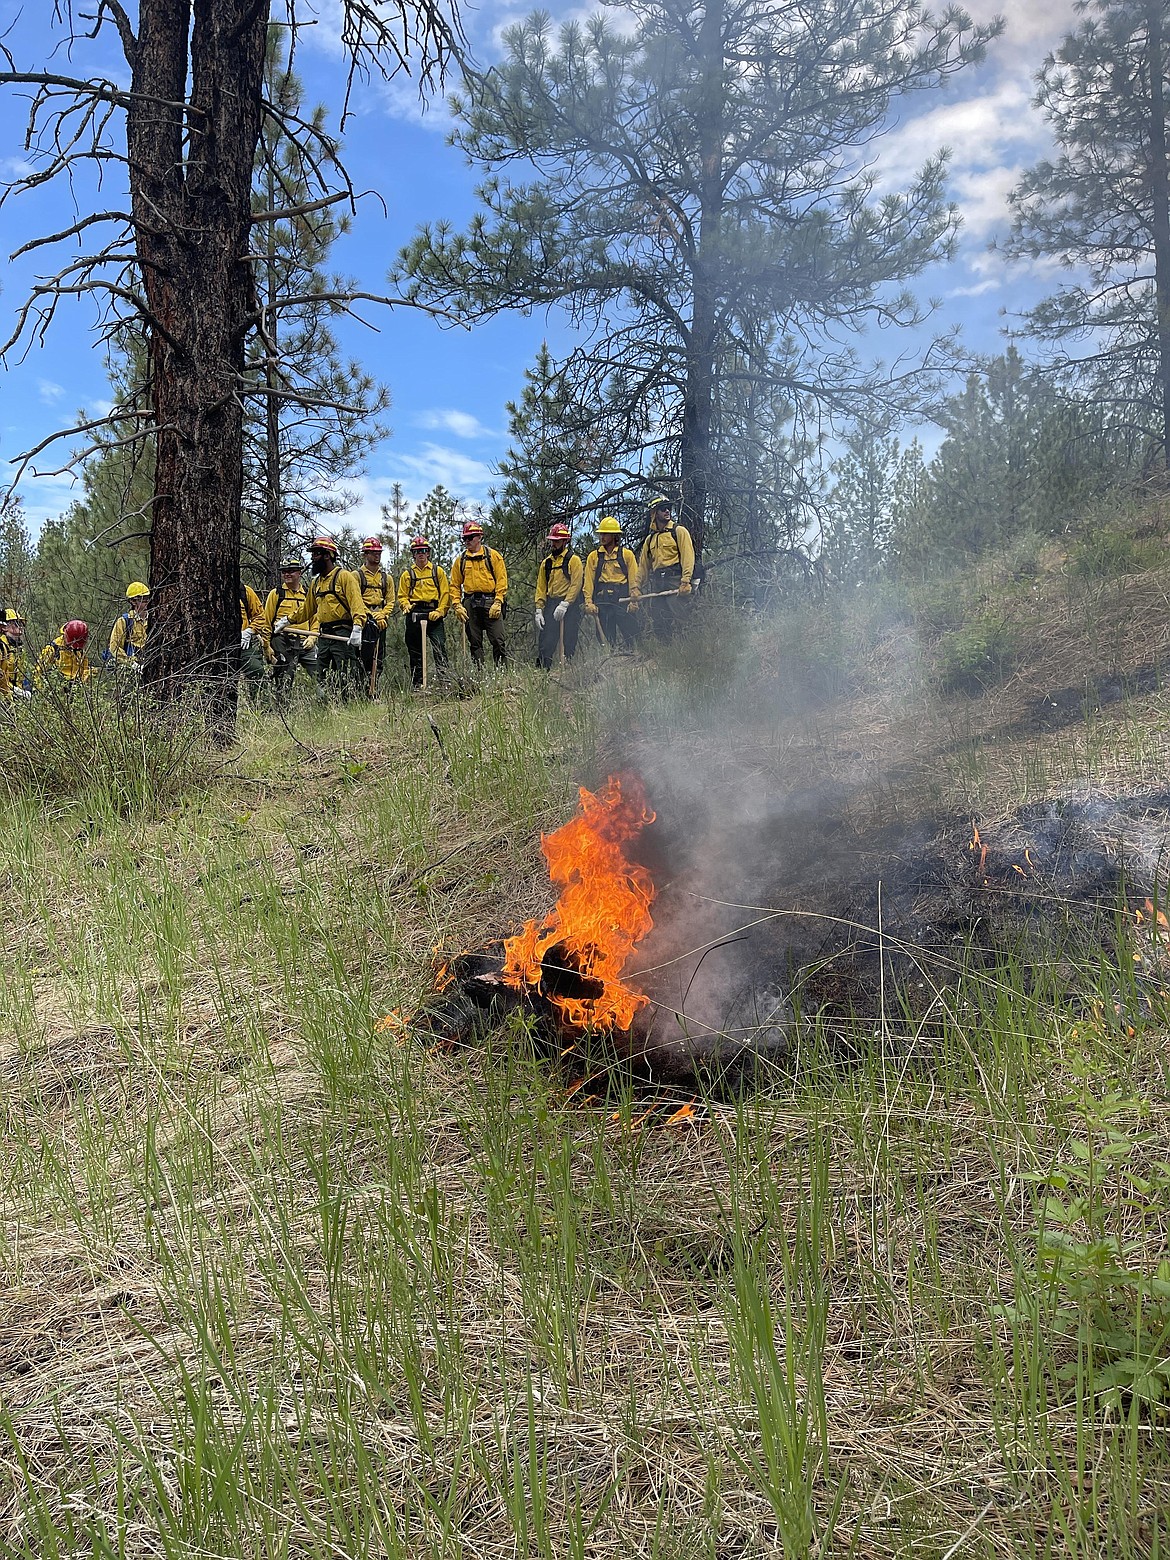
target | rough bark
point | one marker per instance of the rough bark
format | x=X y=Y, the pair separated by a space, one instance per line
x=191 y=193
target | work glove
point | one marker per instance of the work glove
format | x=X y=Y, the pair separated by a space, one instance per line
x=495 y=611
x=379 y=620
x=22 y=693
x=559 y=611
x=435 y=617
x=245 y=639
x=355 y=636
x=461 y=612
x=539 y=619
x=311 y=642
x=685 y=588
x=591 y=609
x=137 y=665
x=631 y=605
x=280 y=625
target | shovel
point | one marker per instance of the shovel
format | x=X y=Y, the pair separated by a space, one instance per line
x=423 y=626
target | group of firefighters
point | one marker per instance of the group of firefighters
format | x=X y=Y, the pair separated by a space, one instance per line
x=334 y=624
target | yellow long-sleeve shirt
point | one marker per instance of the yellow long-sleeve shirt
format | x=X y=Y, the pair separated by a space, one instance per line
x=291 y=604
x=668 y=549
x=251 y=611
x=11 y=667
x=427 y=586
x=377 y=590
x=561 y=576
x=336 y=598
x=618 y=567
x=479 y=574
x=127 y=638
x=58 y=659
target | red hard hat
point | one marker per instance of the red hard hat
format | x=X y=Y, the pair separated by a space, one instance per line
x=420 y=542
x=559 y=532
x=75 y=634
x=472 y=528
x=371 y=544
x=326 y=542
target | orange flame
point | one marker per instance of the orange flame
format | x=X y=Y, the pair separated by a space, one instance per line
x=977 y=847
x=1149 y=913
x=603 y=911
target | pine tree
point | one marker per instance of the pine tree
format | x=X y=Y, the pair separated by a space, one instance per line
x=541 y=471
x=1102 y=207
x=688 y=190
x=312 y=416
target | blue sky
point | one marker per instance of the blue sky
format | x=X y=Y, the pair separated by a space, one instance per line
x=449 y=386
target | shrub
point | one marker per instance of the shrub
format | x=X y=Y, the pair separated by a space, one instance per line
x=81 y=740
x=977 y=656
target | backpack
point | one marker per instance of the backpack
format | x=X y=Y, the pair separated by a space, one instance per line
x=562 y=563
x=487 y=555
x=129 y=648
x=364 y=583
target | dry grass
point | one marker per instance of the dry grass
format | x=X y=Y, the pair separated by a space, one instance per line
x=275 y=1284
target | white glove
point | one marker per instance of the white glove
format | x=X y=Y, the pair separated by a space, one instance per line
x=137 y=665
x=280 y=625
x=355 y=636
x=245 y=639
x=23 y=693
x=561 y=608
x=539 y=618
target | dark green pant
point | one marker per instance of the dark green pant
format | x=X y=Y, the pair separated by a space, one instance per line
x=340 y=673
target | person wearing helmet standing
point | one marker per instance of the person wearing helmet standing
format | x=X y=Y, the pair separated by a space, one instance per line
x=13 y=679
x=479 y=585
x=336 y=608
x=128 y=635
x=611 y=585
x=424 y=594
x=255 y=651
x=377 y=588
x=559 y=583
x=666 y=565
x=287 y=608
x=65 y=659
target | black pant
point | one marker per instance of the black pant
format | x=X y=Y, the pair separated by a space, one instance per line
x=436 y=645
x=548 y=646
x=617 y=621
x=478 y=624
x=339 y=666
x=666 y=611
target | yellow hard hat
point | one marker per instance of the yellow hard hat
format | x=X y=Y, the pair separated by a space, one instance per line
x=609 y=526
x=659 y=501
x=136 y=588
x=13 y=616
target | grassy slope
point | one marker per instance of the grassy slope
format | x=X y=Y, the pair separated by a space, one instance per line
x=276 y=1283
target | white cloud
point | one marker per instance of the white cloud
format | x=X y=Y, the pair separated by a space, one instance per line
x=49 y=391
x=982 y=197
x=1032 y=25
x=450 y=420
x=977 y=290
x=459 y=474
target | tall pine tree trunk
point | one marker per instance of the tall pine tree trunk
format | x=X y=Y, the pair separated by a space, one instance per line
x=191 y=181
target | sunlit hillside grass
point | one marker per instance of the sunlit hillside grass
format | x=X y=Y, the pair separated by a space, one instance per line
x=277 y=1282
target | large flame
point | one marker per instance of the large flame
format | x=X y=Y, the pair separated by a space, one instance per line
x=603 y=911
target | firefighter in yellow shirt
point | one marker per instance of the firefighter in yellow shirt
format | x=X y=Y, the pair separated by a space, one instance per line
x=377 y=588
x=424 y=592
x=128 y=635
x=336 y=606
x=65 y=658
x=255 y=651
x=611 y=585
x=559 y=583
x=479 y=586
x=666 y=563
x=13 y=681
x=286 y=608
